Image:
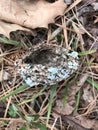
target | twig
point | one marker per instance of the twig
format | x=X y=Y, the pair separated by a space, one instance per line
x=58 y=30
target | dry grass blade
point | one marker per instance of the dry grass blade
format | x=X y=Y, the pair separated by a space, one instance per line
x=73 y=5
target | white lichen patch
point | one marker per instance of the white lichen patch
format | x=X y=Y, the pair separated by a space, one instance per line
x=48 y=64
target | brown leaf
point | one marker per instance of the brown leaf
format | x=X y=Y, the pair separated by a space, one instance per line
x=87 y=95
x=73 y=89
x=4 y=76
x=14 y=125
x=63 y=109
x=87 y=123
x=95 y=125
x=96 y=20
x=31 y=14
x=95 y=5
x=78 y=123
x=6 y=28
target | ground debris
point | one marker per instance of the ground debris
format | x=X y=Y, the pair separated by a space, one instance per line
x=48 y=64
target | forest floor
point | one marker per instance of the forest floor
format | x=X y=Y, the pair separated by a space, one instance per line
x=64 y=104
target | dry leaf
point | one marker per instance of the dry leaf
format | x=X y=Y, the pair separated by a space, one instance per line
x=95 y=5
x=87 y=123
x=96 y=20
x=73 y=89
x=6 y=28
x=95 y=125
x=80 y=123
x=87 y=95
x=14 y=125
x=4 y=76
x=31 y=14
x=63 y=109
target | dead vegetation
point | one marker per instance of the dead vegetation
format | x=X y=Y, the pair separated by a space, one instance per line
x=71 y=104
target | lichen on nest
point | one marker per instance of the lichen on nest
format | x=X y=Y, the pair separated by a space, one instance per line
x=48 y=64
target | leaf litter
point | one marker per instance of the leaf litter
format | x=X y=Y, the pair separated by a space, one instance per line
x=77 y=32
x=31 y=14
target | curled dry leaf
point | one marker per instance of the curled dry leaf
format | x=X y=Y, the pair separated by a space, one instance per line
x=31 y=14
x=6 y=28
